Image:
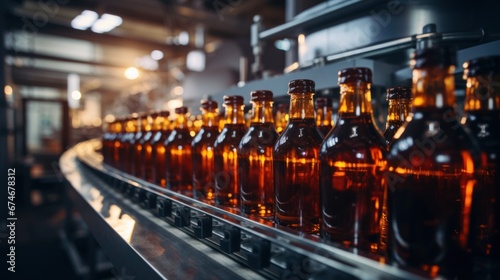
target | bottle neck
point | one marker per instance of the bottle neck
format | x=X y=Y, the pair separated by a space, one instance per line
x=149 y=124
x=482 y=94
x=324 y=116
x=398 y=110
x=157 y=123
x=235 y=114
x=165 y=125
x=355 y=100
x=433 y=88
x=131 y=126
x=181 y=122
x=140 y=125
x=301 y=106
x=262 y=112
x=210 y=118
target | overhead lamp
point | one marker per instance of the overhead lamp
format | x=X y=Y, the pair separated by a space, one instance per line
x=8 y=90
x=106 y=23
x=157 y=55
x=76 y=95
x=131 y=73
x=195 y=60
x=87 y=18
x=84 y=20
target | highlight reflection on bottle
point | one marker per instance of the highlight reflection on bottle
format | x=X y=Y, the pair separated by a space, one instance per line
x=296 y=163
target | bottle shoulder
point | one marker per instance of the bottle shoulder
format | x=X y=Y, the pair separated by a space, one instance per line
x=230 y=135
x=259 y=137
x=354 y=134
x=178 y=136
x=299 y=136
x=206 y=135
x=435 y=134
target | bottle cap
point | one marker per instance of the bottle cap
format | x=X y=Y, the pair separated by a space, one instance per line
x=165 y=113
x=233 y=100
x=354 y=75
x=261 y=95
x=321 y=102
x=433 y=57
x=483 y=66
x=209 y=104
x=301 y=86
x=181 y=110
x=398 y=93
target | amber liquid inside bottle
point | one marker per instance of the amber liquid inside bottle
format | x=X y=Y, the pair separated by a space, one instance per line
x=296 y=168
x=255 y=161
x=227 y=189
x=352 y=173
x=397 y=112
x=431 y=181
x=203 y=155
x=482 y=105
x=178 y=156
x=159 y=173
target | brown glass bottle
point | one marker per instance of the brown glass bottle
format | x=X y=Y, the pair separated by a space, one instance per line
x=482 y=108
x=227 y=190
x=147 y=126
x=430 y=176
x=296 y=163
x=203 y=152
x=400 y=106
x=178 y=155
x=107 y=142
x=156 y=122
x=136 y=145
x=125 y=158
x=352 y=167
x=255 y=158
x=282 y=117
x=158 y=156
x=324 y=115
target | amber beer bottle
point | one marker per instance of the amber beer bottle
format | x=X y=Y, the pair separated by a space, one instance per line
x=255 y=158
x=108 y=141
x=430 y=176
x=482 y=106
x=178 y=155
x=158 y=157
x=136 y=145
x=324 y=116
x=282 y=117
x=203 y=152
x=296 y=163
x=400 y=106
x=227 y=190
x=156 y=121
x=147 y=126
x=125 y=160
x=353 y=159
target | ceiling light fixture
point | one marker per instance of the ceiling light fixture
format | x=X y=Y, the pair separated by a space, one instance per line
x=131 y=73
x=84 y=20
x=105 y=23
x=157 y=55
